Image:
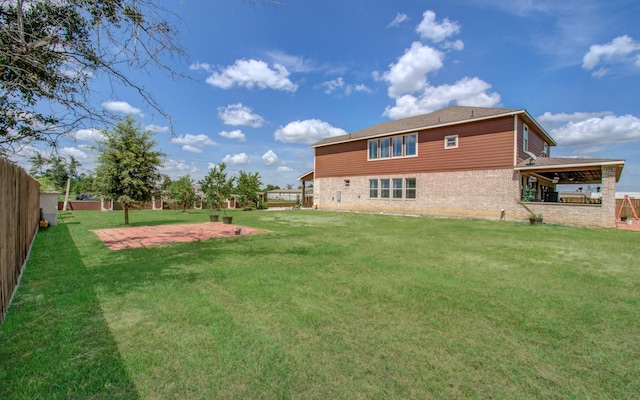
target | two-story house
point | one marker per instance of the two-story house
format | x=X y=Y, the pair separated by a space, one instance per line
x=460 y=162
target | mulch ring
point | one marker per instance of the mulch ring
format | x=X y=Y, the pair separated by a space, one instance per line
x=132 y=237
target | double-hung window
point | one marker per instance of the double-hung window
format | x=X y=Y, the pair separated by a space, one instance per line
x=451 y=142
x=384 y=188
x=410 y=188
x=373 y=188
x=397 y=188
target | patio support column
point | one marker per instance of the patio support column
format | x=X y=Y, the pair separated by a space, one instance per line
x=608 y=196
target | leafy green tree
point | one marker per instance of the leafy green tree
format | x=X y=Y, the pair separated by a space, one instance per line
x=128 y=165
x=50 y=50
x=182 y=192
x=216 y=186
x=38 y=163
x=248 y=188
x=271 y=187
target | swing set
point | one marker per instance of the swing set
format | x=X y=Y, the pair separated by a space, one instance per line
x=627 y=200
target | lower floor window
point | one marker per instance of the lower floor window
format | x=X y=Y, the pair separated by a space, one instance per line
x=397 y=188
x=393 y=188
x=384 y=188
x=410 y=188
x=373 y=188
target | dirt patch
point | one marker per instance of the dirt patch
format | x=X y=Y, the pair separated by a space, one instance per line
x=133 y=237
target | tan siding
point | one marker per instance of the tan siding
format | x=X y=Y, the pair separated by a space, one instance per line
x=481 y=145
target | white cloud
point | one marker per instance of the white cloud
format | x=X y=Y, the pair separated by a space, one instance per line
x=465 y=92
x=400 y=18
x=121 y=107
x=157 y=128
x=616 y=50
x=193 y=143
x=89 y=135
x=239 y=115
x=333 y=85
x=270 y=158
x=234 y=135
x=592 y=129
x=236 y=159
x=284 y=169
x=176 y=168
x=456 y=45
x=307 y=131
x=200 y=66
x=292 y=63
x=430 y=29
x=253 y=73
x=409 y=74
x=339 y=84
x=74 y=152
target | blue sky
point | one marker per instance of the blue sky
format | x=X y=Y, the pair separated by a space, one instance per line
x=268 y=81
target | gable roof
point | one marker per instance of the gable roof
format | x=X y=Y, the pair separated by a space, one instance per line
x=452 y=115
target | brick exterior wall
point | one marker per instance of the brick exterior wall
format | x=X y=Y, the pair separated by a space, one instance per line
x=487 y=194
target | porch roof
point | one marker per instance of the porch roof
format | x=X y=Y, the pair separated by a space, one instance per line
x=308 y=177
x=570 y=170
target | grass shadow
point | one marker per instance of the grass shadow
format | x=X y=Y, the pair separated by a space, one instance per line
x=55 y=342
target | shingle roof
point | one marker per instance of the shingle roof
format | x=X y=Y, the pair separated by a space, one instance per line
x=447 y=116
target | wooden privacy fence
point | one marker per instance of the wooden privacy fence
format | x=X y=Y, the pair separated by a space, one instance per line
x=626 y=210
x=19 y=217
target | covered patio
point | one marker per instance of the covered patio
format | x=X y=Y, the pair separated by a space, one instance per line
x=574 y=191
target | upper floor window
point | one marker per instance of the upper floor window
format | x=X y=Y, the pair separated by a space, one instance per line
x=395 y=146
x=525 y=138
x=410 y=142
x=451 y=142
x=545 y=150
x=384 y=148
x=373 y=149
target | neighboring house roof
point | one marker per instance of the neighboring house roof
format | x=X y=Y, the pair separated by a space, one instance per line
x=306 y=177
x=452 y=115
x=294 y=191
x=570 y=170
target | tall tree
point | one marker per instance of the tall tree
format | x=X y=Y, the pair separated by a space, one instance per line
x=182 y=192
x=49 y=50
x=248 y=188
x=128 y=165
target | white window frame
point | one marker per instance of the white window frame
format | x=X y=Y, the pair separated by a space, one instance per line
x=397 y=190
x=372 y=188
x=446 y=142
x=377 y=147
x=525 y=137
x=387 y=189
x=415 y=154
x=413 y=190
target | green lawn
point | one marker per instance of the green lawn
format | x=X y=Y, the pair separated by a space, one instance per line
x=327 y=305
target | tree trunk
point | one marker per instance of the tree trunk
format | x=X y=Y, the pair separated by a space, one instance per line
x=66 y=195
x=126 y=214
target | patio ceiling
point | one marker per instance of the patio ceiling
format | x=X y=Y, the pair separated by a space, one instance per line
x=570 y=170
